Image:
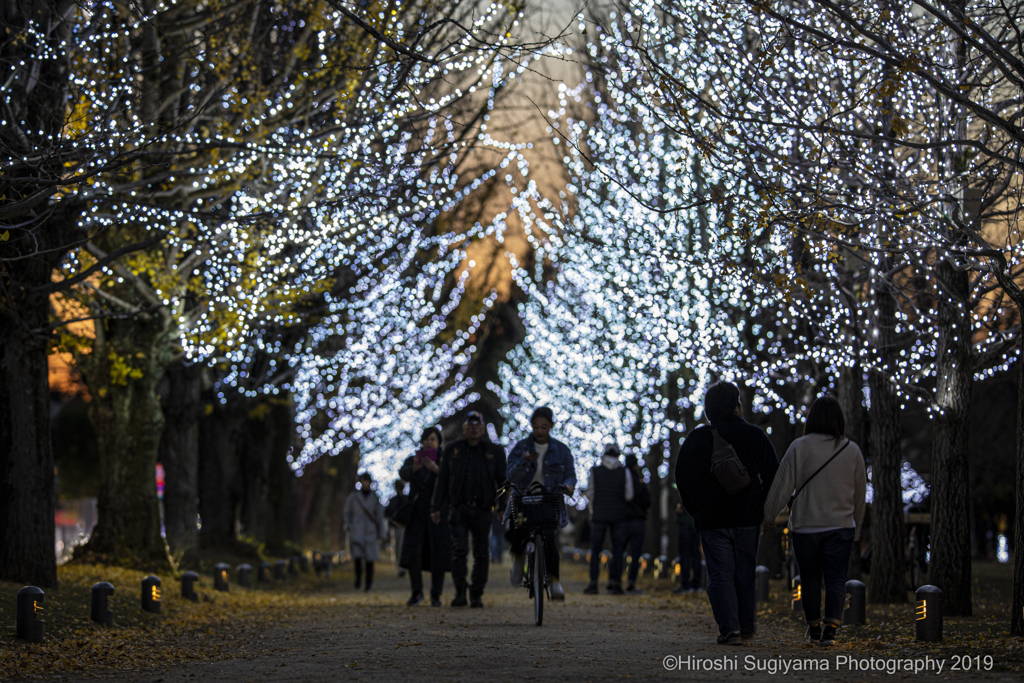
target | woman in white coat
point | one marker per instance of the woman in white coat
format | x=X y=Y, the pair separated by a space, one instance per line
x=366 y=527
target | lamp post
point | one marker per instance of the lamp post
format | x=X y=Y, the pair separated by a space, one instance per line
x=798 y=604
x=98 y=610
x=151 y=594
x=856 y=610
x=188 y=582
x=29 y=625
x=929 y=614
x=264 y=574
x=761 y=585
x=220 y=577
x=244 y=579
x=279 y=569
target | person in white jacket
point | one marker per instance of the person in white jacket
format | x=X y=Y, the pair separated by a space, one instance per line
x=366 y=527
x=823 y=478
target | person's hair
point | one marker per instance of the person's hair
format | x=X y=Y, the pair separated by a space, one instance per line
x=365 y=475
x=432 y=430
x=632 y=461
x=720 y=401
x=545 y=412
x=826 y=417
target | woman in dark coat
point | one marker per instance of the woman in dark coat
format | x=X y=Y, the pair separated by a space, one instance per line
x=425 y=545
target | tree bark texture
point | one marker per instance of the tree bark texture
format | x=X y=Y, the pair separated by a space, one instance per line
x=1017 y=609
x=886 y=582
x=179 y=453
x=219 y=474
x=950 y=567
x=128 y=360
x=36 y=234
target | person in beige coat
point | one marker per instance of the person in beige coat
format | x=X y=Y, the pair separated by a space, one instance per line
x=366 y=526
x=823 y=479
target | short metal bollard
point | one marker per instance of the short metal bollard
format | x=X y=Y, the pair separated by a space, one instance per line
x=798 y=603
x=264 y=574
x=664 y=568
x=98 y=610
x=929 y=614
x=279 y=569
x=244 y=578
x=188 y=586
x=30 y=603
x=304 y=564
x=293 y=565
x=328 y=564
x=220 y=577
x=151 y=594
x=677 y=570
x=704 y=574
x=761 y=585
x=647 y=564
x=856 y=606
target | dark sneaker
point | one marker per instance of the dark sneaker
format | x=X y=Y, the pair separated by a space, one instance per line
x=359 y=584
x=459 y=601
x=730 y=639
x=616 y=589
x=633 y=590
x=557 y=592
x=415 y=600
x=435 y=602
x=680 y=589
x=591 y=588
x=476 y=601
x=814 y=632
x=828 y=636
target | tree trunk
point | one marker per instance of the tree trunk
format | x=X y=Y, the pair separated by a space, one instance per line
x=219 y=490
x=258 y=442
x=281 y=494
x=1017 y=610
x=887 y=565
x=179 y=453
x=128 y=360
x=950 y=567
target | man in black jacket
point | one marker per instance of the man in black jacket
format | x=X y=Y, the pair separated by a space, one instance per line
x=636 y=521
x=728 y=524
x=469 y=475
x=609 y=491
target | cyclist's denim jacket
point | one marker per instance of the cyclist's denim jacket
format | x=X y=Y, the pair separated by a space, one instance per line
x=559 y=470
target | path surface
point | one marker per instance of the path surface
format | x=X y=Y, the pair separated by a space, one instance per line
x=375 y=637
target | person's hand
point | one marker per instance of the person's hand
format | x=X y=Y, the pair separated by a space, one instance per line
x=680 y=509
x=568 y=490
x=531 y=456
x=435 y=517
x=417 y=463
x=431 y=465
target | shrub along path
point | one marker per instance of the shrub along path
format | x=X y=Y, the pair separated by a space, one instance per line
x=310 y=629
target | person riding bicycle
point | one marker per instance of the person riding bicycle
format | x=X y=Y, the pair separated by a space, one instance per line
x=539 y=459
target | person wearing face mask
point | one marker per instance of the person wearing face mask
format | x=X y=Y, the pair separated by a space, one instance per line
x=366 y=527
x=469 y=474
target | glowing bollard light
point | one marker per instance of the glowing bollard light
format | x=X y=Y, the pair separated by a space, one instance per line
x=220 y=577
x=647 y=564
x=98 y=610
x=664 y=568
x=929 y=614
x=798 y=604
x=293 y=565
x=188 y=586
x=279 y=569
x=264 y=574
x=244 y=572
x=761 y=586
x=856 y=607
x=304 y=564
x=677 y=570
x=151 y=594
x=30 y=603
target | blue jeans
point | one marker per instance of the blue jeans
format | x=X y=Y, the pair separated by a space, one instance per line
x=731 y=556
x=598 y=530
x=825 y=554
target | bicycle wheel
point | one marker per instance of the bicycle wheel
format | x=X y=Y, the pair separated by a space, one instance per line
x=539 y=573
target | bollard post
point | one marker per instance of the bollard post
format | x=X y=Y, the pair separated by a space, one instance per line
x=279 y=569
x=798 y=604
x=30 y=603
x=98 y=611
x=304 y=564
x=761 y=585
x=220 y=577
x=856 y=608
x=929 y=614
x=293 y=565
x=677 y=570
x=151 y=594
x=704 y=575
x=188 y=586
x=264 y=574
x=328 y=564
x=244 y=570
x=647 y=564
x=664 y=568
x=318 y=562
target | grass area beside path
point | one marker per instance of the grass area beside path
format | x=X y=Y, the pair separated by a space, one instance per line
x=222 y=625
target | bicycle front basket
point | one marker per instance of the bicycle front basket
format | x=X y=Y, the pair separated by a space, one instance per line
x=537 y=511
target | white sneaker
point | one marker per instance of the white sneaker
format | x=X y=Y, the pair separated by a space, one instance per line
x=557 y=592
x=515 y=576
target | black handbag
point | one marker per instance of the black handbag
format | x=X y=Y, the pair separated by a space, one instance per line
x=402 y=515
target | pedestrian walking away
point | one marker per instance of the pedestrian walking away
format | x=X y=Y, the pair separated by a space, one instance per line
x=724 y=472
x=425 y=546
x=539 y=459
x=636 y=521
x=469 y=475
x=366 y=527
x=395 y=504
x=689 y=553
x=609 y=493
x=822 y=478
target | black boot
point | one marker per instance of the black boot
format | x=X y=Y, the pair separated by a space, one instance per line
x=358 y=565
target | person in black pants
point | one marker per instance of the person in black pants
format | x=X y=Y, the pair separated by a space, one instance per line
x=689 y=553
x=610 y=492
x=425 y=545
x=468 y=478
x=636 y=521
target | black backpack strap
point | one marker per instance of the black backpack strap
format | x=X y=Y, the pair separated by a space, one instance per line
x=808 y=480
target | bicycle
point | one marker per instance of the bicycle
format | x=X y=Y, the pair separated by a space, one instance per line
x=536 y=511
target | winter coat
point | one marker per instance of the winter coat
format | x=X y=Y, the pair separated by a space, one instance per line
x=559 y=471
x=432 y=542
x=704 y=496
x=365 y=524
